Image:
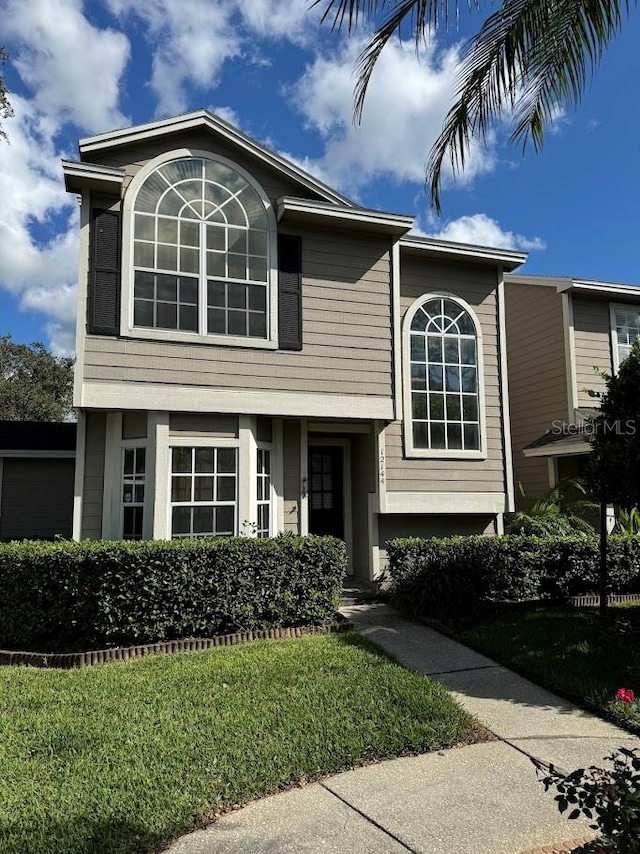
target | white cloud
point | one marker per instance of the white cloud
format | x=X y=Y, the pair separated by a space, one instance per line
x=481 y=230
x=73 y=68
x=192 y=39
x=406 y=103
x=295 y=20
x=41 y=273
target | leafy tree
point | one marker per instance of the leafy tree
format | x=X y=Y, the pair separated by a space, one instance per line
x=35 y=385
x=528 y=58
x=614 y=465
x=6 y=110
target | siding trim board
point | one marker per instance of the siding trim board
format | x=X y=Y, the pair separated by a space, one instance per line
x=445 y=502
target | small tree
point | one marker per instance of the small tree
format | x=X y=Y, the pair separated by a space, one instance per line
x=35 y=385
x=614 y=466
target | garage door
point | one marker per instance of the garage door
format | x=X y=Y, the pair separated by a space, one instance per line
x=36 y=498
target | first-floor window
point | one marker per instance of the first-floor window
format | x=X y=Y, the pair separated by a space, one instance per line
x=264 y=493
x=204 y=492
x=133 y=481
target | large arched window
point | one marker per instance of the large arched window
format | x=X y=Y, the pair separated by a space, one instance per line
x=201 y=251
x=443 y=361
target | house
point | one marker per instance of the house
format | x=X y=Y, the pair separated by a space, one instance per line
x=37 y=461
x=563 y=334
x=256 y=353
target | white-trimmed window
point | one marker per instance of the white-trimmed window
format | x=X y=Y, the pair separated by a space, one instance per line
x=204 y=491
x=263 y=492
x=201 y=252
x=443 y=376
x=133 y=486
x=625 y=322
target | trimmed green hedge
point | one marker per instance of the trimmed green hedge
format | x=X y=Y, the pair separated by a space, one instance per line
x=65 y=596
x=450 y=579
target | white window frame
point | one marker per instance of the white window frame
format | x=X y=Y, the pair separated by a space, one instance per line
x=128 y=330
x=436 y=453
x=133 y=444
x=203 y=442
x=268 y=447
x=613 y=307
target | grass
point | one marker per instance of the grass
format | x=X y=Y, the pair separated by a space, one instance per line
x=571 y=651
x=121 y=757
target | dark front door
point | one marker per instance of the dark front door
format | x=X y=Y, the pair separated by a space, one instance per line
x=326 y=491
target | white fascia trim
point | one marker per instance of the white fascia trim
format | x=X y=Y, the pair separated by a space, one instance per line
x=407 y=423
x=610 y=289
x=395 y=223
x=504 y=395
x=509 y=260
x=548 y=451
x=78 y=484
x=38 y=455
x=396 y=318
x=203 y=118
x=178 y=398
x=570 y=350
x=446 y=502
x=560 y=283
x=76 y=173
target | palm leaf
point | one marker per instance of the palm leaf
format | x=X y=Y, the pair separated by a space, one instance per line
x=529 y=58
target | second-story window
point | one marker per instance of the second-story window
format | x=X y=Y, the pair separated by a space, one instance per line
x=201 y=251
x=627 y=321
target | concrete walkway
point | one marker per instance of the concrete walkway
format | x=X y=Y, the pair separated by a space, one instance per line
x=481 y=799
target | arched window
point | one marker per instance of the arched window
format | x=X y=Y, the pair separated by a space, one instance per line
x=201 y=246
x=444 y=381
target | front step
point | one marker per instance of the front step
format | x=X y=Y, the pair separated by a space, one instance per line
x=360 y=593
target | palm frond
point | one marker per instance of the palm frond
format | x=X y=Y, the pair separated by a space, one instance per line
x=530 y=57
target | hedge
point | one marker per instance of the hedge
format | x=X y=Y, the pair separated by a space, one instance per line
x=64 y=597
x=450 y=579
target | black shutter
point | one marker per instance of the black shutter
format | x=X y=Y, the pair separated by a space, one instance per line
x=290 y=292
x=103 y=304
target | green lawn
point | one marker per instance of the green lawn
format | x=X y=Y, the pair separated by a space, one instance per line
x=117 y=758
x=569 y=650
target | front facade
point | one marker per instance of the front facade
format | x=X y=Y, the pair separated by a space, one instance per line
x=256 y=354
x=563 y=336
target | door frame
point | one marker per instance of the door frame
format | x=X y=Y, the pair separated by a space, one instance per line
x=347 y=520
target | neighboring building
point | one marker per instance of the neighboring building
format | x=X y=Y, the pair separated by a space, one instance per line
x=37 y=461
x=256 y=353
x=562 y=335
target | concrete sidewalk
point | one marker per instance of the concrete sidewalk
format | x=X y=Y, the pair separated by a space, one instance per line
x=481 y=799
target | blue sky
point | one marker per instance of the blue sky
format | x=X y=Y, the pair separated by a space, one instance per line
x=79 y=68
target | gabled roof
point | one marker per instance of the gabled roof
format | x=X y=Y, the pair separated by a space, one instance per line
x=204 y=119
x=417 y=244
x=305 y=210
x=566 y=284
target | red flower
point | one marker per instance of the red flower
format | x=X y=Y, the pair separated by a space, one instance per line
x=625 y=695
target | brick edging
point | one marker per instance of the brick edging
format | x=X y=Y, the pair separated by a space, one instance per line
x=68 y=660
x=562 y=847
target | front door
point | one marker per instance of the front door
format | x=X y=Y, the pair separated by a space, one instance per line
x=326 y=490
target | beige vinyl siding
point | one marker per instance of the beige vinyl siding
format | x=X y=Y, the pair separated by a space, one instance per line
x=346 y=325
x=292 y=475
x=477 y=286
x=537 y=370
x=37 y=498
x=220 y=426
x=96 y=428
x=132 y=158
x=592 y=335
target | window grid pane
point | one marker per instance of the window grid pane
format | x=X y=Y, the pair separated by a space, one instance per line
x=204 y=491
x=445 y=407
x=133 y=485
x=201 y=218
x=264 y=494
x=627 y=330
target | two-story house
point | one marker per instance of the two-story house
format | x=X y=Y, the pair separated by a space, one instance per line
x=256 y=353
x=563 y=334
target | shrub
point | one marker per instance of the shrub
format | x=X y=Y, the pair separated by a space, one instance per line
x=608 y=797
x=450 y=579
x=69 y=596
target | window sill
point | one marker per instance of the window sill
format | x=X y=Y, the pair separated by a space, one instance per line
x=171 y=336
x=429 y=454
